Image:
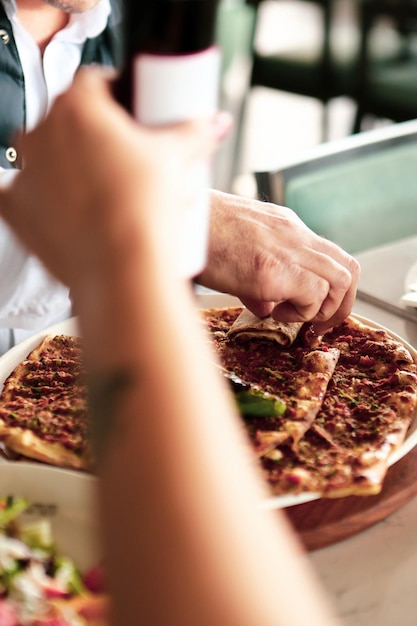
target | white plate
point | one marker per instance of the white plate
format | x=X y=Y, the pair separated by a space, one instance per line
x=66 y=498
x=411 y=278
x=205 y=300
x=13 y=357
x=219 y=300
x=410 y=286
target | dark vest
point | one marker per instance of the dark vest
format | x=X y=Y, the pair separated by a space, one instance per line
x=104 y=50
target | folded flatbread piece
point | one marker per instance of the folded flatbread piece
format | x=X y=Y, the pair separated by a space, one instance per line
x=248 y=326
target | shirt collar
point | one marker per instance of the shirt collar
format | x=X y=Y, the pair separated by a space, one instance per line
x=10 y=7
x=81 y=26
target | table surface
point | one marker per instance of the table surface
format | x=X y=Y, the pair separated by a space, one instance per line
x=372 y=576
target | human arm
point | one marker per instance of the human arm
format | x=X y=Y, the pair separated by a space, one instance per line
x=264 y=254
x=186 y=539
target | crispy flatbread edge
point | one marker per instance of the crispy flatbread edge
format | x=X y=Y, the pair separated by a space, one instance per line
x=47 y=342
x=30 y=446
x=362 y=488
x=369 y=481
x=248 y=326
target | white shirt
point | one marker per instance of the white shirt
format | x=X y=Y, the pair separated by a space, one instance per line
x=30 y=299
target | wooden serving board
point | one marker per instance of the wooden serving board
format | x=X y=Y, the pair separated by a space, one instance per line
x=326 y=521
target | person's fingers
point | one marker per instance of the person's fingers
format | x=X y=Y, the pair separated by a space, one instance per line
x=340 y=314
x=319 y=290
x=258 y=308
x=305 y=299
x=339 y=300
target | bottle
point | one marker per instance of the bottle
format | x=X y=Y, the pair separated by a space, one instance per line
x=171 y=74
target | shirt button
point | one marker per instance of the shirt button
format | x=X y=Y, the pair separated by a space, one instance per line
x=11 y=154
x=4 y=36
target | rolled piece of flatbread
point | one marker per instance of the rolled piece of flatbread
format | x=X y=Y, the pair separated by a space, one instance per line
x=248 y=326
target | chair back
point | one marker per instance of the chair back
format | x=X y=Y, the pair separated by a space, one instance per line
x=359 y=192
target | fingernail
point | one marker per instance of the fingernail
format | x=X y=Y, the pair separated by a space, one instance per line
x=221 y=124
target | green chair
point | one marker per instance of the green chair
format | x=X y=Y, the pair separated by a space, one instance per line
x=360 y=191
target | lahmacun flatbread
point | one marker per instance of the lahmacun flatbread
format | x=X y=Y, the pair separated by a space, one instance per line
x=322 y=414
x=365 y=398
x=301 y=400
x=43 y=405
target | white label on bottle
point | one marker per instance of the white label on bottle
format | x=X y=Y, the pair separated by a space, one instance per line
x=170 y=89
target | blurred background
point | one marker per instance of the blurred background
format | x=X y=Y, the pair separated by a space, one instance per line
x=297 y=73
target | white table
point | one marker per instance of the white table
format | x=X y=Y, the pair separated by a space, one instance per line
x=383 y=274
x=372 y=577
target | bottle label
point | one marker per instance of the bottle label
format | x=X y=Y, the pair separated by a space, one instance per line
x=169 y=89
x=176 y=88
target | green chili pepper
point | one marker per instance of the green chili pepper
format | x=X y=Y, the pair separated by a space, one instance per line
x=255 y=403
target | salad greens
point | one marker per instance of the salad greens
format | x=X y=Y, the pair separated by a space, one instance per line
x=39 y=586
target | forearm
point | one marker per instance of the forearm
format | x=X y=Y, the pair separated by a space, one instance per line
x=179 y=496
x=244 y=245
x=224 y=210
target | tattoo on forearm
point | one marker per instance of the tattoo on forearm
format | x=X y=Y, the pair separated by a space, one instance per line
x=105 y=398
